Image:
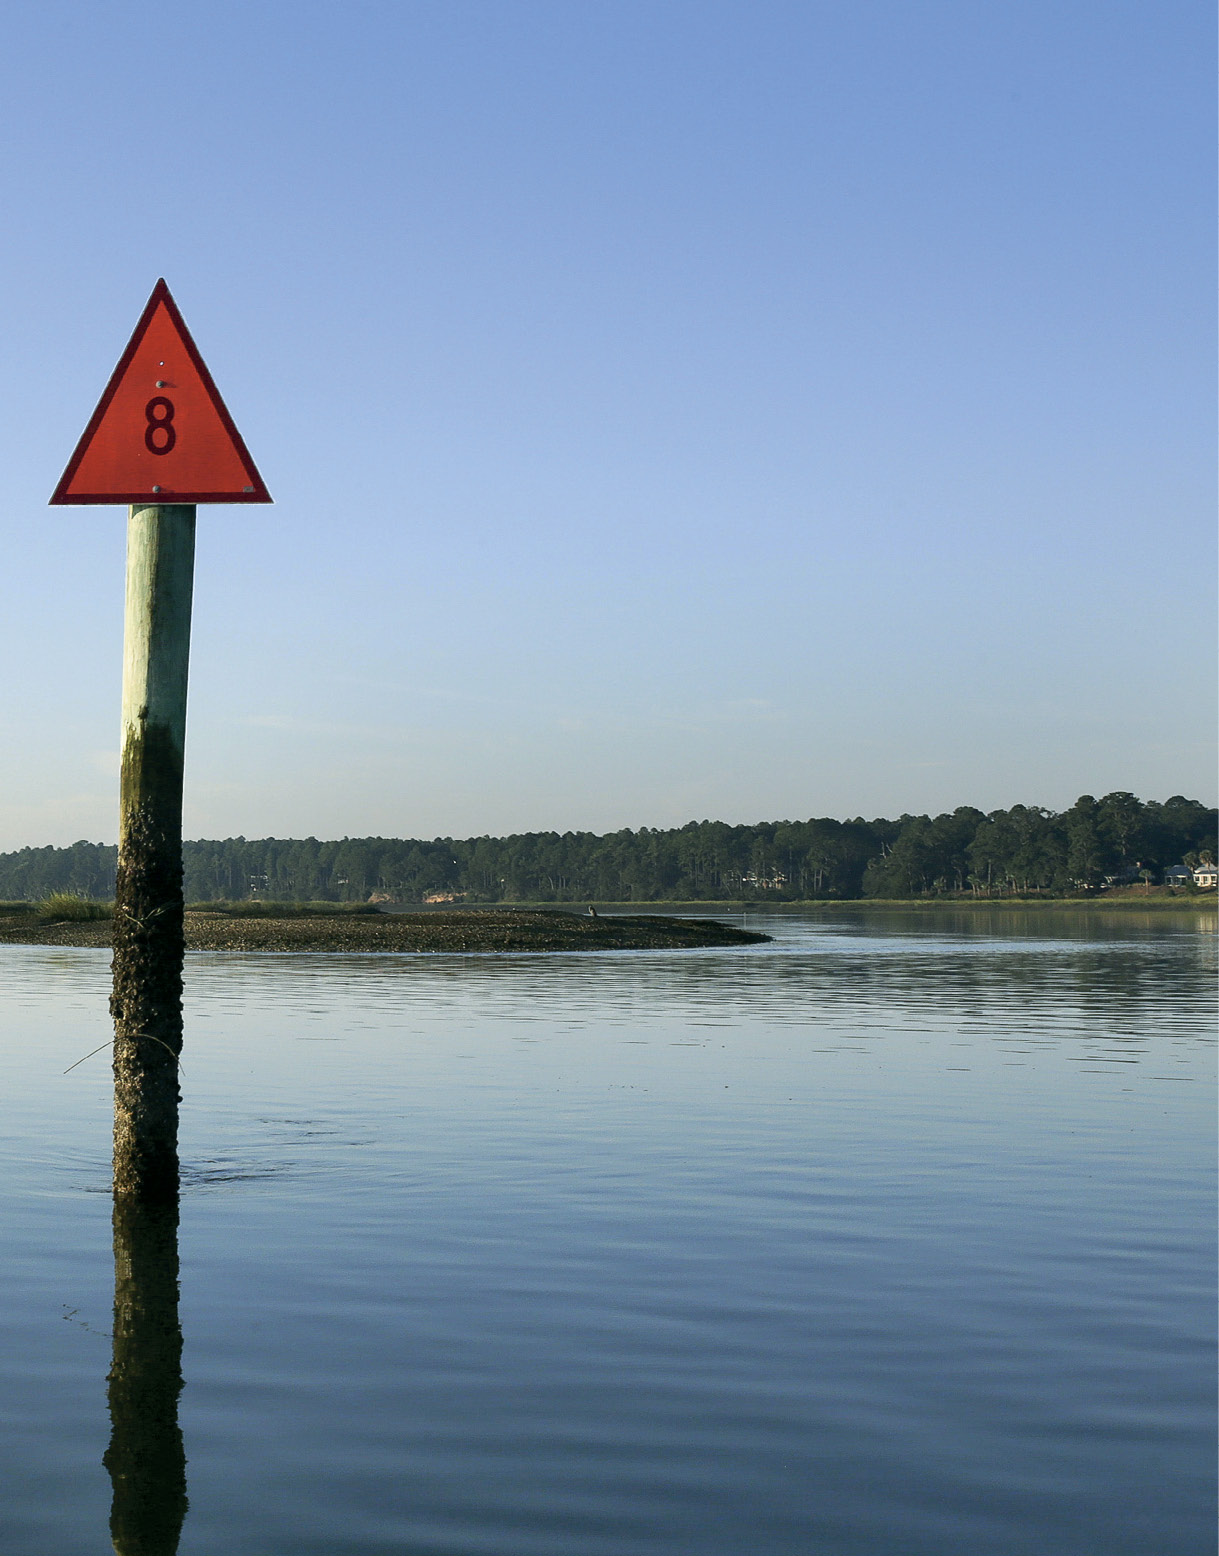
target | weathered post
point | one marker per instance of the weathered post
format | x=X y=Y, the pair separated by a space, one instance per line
x=161 y=439
x=148 y=939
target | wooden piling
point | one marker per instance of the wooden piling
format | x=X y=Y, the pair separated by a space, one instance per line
x=146 y=1001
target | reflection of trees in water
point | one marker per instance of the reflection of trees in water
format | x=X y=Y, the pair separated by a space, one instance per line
x=146 y=1458
x=1137 y=973
x=1047 y=977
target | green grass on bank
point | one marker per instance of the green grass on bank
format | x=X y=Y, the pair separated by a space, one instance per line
x=67 y=907
x=63 y=907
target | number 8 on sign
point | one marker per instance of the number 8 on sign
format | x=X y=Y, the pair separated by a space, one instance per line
x=159 y=423
x=161 y=433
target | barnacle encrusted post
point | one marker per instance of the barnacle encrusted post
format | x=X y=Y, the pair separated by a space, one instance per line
x=146 y=1002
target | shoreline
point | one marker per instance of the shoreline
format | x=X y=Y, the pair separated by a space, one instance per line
x=1200 y=904
x=494 y=927
x=495 y=930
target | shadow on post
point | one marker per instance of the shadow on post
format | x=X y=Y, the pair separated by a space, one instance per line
x=146 y=1458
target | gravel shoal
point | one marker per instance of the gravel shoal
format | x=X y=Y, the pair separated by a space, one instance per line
x=458 y=930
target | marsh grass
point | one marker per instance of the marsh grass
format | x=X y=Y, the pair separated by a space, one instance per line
x=63 y=907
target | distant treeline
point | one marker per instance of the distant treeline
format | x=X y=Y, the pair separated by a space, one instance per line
x=1001 y=853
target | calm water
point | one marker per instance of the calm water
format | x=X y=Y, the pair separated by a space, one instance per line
x=883 y=1240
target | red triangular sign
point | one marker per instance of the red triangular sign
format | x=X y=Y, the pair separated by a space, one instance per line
x=161 y=432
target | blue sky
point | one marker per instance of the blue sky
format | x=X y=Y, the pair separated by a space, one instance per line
x=673 y=410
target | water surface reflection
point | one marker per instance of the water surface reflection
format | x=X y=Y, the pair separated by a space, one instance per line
x=888 y=1236
x=146 y=1457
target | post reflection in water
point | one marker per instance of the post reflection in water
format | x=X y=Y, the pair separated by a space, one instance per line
x=146 y=1458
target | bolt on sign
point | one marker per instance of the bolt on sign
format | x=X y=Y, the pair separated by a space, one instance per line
x=161 y=433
